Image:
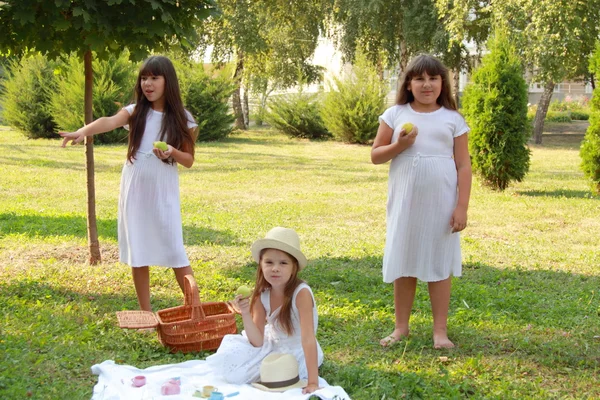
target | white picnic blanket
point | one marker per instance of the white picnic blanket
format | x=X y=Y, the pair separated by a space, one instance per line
x=114 y=383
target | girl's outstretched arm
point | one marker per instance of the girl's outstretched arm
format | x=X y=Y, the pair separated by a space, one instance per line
x=100 y=125
x=384 y=150
x=254 y=323
x=458 y=222
x=304 y=302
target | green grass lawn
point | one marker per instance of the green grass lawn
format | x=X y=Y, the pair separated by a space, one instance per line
x=525 y=315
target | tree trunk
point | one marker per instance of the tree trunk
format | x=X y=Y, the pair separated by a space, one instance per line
x=236 y=99
x=403 y=61
x=245 y=107
x=542 y=110
x=456 y=84
x=592 y=82
x=92 y=229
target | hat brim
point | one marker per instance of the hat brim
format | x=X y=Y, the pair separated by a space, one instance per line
x=261 y=244
x=300 y=384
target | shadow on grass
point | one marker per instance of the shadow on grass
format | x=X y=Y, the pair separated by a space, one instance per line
x=569 y=194
x=39 y=225
x=545 y=318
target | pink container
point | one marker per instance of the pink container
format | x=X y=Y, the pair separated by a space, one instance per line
x=138 y=381
x=171 y=387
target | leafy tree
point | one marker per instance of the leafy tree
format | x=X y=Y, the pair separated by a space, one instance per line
x=389 y=32
x=495 y=106
x=554 y=37
x=103 y=26
x=269 y=40
x=590 y=147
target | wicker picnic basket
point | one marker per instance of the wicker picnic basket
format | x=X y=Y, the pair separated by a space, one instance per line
x=192 y=327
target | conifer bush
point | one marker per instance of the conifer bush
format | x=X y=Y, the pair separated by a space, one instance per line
x=27 y=89
x=495 y=107
x=297 y=115
x=590 y=147
x=207 y=99
x=114 y=80
x=351 y=108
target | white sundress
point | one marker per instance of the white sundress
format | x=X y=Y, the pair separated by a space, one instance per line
x=149 y=216
x=238 y=361
x=422 y=195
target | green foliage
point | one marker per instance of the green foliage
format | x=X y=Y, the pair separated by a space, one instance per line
x=26 y=96
x=351 y=108
x=114 y=80
x=297 y=115
x=558 y=116
x=580 y=115
x=590 y=147
x=495 y=106
x=207 y=98
x=63 y=26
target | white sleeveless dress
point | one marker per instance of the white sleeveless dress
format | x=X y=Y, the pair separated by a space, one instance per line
x=422 y=195
x=238 y=361
x=149 y=216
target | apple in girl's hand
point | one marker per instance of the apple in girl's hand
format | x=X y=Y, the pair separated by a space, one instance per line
x=244 y=291
x=408 y=127
x=161 y=146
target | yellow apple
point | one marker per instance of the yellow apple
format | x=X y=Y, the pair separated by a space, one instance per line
x=161 y=146
x=244 y=291
x=408 y=127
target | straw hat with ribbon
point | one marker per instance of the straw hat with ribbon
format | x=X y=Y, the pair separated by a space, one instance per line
x=278 y=373
x=283 y=239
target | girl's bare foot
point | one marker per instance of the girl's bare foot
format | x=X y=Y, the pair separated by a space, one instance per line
x=394 y=337
x=441 y=341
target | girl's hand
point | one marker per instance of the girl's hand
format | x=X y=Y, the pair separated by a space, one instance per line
x=408 y=138
x=458 y=222
x=75 y=137
x=243 y=304
x=310 y=388
x=163 y=155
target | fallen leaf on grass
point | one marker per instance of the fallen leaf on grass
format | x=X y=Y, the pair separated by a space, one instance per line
x=443 y=359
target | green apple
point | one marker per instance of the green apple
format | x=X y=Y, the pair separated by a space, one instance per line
x=161 y=146
x=408 y=127
x=244 y=291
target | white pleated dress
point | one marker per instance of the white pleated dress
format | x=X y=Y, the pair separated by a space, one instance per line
x=422 y=195
x=149 y=216
x=238 y=361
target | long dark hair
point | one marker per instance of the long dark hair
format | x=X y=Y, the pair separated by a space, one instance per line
x=284 y=318
x=432 y=66
x=174 y=129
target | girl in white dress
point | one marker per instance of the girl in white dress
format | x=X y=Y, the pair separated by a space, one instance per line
x=428 y=192
x=149 y=217
x=279 y=317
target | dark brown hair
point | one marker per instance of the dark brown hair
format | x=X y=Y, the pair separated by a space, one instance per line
x=284 y=318
x=432 y=66
x=174 y=129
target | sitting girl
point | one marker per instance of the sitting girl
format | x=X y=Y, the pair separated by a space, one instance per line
x=279 y=317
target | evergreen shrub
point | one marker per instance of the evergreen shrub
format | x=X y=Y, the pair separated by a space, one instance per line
x=590 y=147
x=495 y=106
x=580 y=115
x=26 y=96
x=114 y=81
x=207 y=99
x=351 y=109
x=297 y=115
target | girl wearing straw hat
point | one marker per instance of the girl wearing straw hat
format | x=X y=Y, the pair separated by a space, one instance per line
x=280 y=316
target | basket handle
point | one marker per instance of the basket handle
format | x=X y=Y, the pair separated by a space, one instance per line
x=192 y=298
